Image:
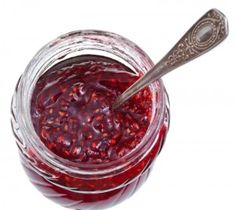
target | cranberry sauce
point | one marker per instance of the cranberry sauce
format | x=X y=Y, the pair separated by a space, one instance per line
x=71 y=110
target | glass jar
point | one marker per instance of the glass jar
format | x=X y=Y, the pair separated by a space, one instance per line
x=77 y=185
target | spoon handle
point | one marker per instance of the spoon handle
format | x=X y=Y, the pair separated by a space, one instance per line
x=210 y=30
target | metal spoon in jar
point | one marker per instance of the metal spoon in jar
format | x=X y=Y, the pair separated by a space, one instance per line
x=209 y=31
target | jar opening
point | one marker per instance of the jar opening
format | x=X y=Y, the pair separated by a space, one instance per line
x=79 y=43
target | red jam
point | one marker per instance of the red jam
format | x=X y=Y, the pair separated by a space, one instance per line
x=71 y=114
x=71 y=110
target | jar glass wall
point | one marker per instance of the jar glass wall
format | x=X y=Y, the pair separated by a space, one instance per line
x=78 y=185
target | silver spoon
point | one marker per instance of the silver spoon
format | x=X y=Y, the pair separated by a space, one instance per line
x=210 y=30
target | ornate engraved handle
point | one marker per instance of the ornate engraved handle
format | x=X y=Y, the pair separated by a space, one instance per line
x=205 y=34
x=210 y=30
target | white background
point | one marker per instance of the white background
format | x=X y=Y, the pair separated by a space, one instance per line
x=196 y=169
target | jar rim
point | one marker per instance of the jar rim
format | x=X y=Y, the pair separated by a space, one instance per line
x=23 y=105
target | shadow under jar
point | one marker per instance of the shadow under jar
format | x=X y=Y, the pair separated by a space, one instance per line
x=102 y=180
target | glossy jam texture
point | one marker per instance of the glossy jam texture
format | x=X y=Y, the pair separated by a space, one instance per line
x=71 y=110
x=71 y=114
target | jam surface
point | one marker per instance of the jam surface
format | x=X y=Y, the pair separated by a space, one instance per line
x=71 y=110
